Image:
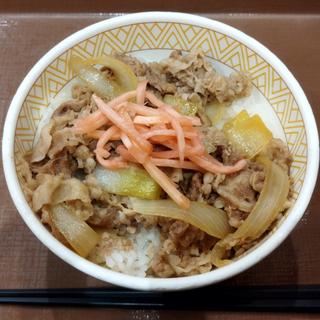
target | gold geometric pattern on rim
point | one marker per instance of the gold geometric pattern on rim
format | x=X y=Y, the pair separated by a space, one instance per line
x=164 y=35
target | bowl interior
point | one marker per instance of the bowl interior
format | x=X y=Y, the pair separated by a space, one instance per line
x=150 y=41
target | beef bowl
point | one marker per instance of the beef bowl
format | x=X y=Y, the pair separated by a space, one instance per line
x=160 y=151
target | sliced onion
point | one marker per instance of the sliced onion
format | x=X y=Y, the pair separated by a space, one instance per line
x=77 y=232
x=94 y=79
x=183 y=106
x=123 y=73
x=216 y=112
x=207 y=218
x=97 y=82
x=270 y=203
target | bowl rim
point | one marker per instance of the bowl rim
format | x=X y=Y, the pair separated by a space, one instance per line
x=159 y=284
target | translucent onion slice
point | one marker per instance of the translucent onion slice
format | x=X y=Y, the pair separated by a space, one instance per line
x=131 y=181
x=123 y=73
x=94 y=79
x=125 y=79
x=183 y=106
x=270 y=203
x=207 y=218
x=77 y=232
x=216 y=112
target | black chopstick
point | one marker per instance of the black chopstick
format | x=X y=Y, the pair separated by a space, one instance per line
x=304 y=298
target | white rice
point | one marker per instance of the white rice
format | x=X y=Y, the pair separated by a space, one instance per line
x=136 y=261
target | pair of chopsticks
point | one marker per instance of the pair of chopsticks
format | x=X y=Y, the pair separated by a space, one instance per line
x=255 y=298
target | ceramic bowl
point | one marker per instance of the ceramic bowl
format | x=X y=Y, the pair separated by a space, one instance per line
x=277 y=97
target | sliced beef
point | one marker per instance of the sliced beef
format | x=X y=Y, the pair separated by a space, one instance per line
x=278 y=152
x=237 y=190
x=188 y=75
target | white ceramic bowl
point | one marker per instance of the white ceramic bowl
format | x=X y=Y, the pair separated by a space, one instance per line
x=151 y=35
